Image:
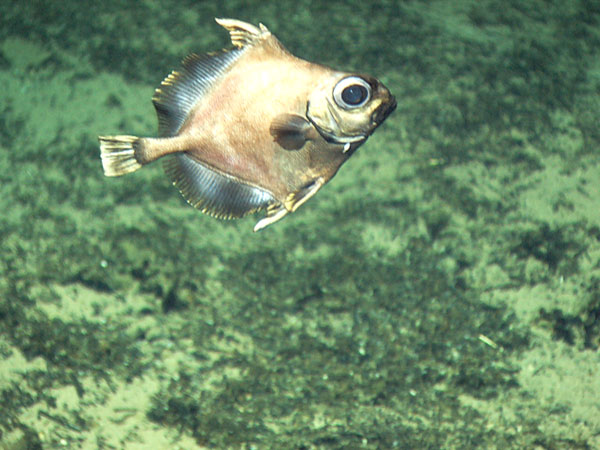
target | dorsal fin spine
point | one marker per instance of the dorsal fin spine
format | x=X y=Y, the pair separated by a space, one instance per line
x=243 y=33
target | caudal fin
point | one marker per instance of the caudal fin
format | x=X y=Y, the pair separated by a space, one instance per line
x=118 y=154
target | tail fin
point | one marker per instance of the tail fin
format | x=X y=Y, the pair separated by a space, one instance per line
x=118 y=154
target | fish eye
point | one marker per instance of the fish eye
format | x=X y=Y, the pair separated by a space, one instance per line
x=351 y=92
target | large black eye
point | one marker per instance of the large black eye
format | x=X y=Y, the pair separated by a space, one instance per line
x=355 y=94
x=351 y=92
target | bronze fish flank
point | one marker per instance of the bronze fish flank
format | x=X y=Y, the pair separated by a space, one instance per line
x=253 y=127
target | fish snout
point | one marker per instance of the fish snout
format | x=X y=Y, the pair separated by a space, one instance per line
x=384 y=110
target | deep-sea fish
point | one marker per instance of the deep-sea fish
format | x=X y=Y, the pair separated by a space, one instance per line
x=253 y=127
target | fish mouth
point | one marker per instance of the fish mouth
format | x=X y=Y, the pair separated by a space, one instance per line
x=383 y=111
x=330 y=136
x=333 y=139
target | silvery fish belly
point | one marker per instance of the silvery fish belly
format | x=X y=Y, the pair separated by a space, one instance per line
x=254 y=127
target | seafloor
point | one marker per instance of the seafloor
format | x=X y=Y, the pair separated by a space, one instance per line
x=443 y=291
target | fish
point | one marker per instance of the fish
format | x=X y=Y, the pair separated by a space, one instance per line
x=253 y=127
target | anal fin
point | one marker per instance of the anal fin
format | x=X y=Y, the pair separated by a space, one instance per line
x=215 y=193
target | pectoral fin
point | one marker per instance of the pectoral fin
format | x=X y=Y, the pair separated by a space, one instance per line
x=291 y=131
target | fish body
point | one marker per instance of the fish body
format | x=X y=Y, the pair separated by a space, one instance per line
x=253 y=127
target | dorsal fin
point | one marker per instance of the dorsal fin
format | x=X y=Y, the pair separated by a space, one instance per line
x=179 y=92
x=243 y=33
x=214 y=193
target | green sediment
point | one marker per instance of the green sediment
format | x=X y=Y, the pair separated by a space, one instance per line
x=441 y=292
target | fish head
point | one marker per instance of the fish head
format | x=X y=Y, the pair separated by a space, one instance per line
x=347 y=108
